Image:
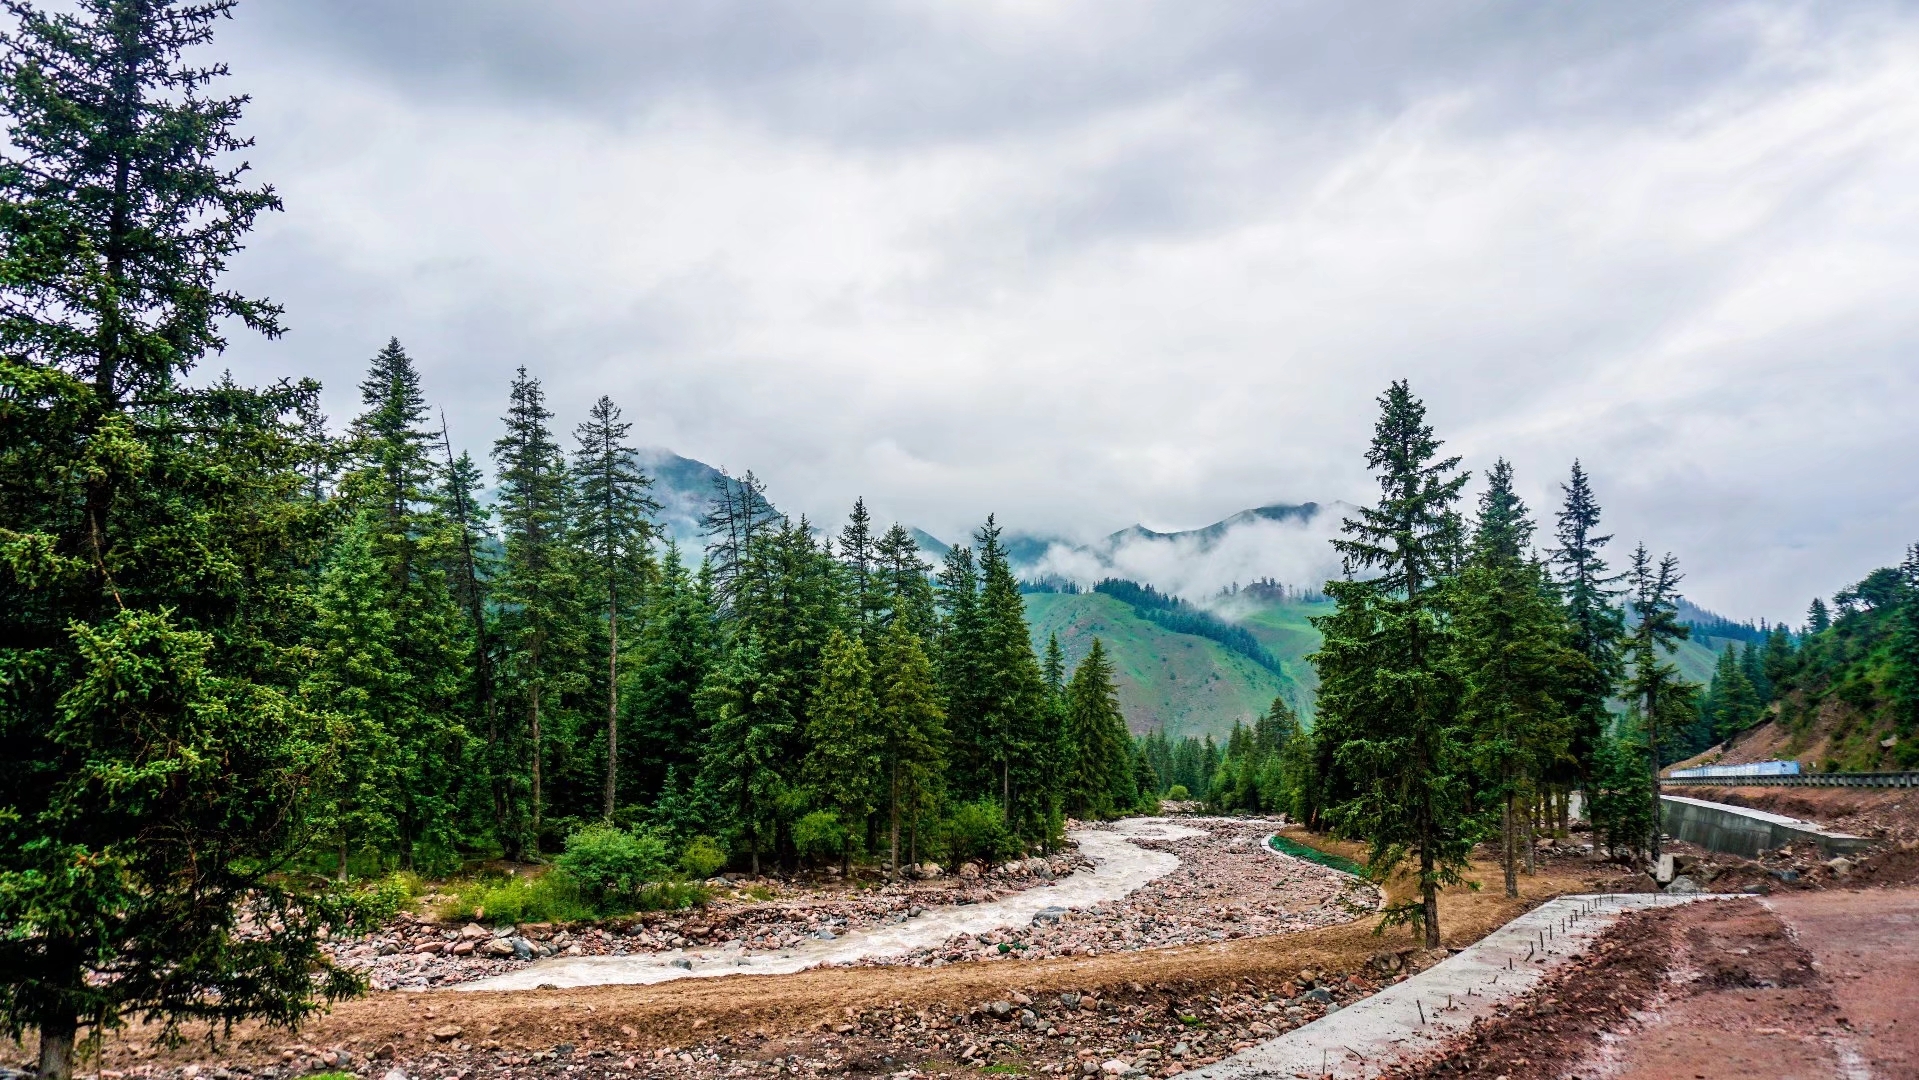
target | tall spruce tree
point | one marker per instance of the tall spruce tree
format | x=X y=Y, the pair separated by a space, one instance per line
x=1732 y=701
x=1818 y=618
x=537 y=589
x=1390 y=697
x=675 y=651
x=958 y=658
x=470 y=571
x=737 y=519
x=390 y=483
x=744 y=764
x=1053 y=670
x=912 y=735
x=1099 y=769
x=844 y=728
x=1598 y=622
x=865 y=590
x=906 y=592
x=158 y=539
x=1513 y=650
x=1010 y=692
x=361 y=680
x=1660 y=698
x=613 y=526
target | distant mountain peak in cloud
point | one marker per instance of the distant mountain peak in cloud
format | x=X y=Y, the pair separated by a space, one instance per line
x=1209 y=538
x=1284 y=541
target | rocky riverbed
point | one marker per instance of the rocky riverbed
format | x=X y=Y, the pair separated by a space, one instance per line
x=416 y=953
x=1224 y=886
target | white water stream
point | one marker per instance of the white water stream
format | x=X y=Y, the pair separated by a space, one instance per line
x=1119 y=867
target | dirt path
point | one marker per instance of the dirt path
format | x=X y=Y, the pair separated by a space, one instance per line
x=1808 y=985
x=1865 y=946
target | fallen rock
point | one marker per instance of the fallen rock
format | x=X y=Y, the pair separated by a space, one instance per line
x=1049 y=916
x=1683 y=885
x=447 y=1033
x=1840 y=866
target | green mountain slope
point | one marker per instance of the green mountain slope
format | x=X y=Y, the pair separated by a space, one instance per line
x=1283 y=626
x=1188 y=684
x=1196 y=687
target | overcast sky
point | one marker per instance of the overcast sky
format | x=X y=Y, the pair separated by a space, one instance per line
x=1086 y=264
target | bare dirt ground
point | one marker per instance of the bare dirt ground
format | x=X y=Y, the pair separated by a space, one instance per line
x=1159 y=1010
x=1865 y=945
x=1813 y=985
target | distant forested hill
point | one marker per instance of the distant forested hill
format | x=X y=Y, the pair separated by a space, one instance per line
x=1195 y=668
x=1189 y=684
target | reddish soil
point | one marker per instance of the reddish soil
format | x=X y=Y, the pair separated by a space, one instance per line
x=1811 y=984
x=1865 y=945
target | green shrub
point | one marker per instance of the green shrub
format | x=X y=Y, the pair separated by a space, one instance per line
x=819 y=836
x=670 y=896
x=1178 y=793
x=551 y=897
x=977 y=831
x=702 y=858
x=384 y=899
x=609 y=862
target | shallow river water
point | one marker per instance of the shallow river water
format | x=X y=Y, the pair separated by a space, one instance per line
x=1119 y=867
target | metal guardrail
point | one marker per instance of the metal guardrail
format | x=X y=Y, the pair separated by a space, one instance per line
x=1833 y=779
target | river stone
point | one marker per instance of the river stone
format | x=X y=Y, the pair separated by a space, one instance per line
x=1049 y=916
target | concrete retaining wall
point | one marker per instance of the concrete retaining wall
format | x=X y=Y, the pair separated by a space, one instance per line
x=1832 y=779
x=1739 y=831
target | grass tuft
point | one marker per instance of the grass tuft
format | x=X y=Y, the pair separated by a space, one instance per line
x=1312 y=854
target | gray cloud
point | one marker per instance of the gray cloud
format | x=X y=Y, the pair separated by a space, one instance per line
x=1093 y=263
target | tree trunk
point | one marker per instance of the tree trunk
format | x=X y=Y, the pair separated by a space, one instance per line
x=1652 y=754
x=1532 y=813
x=612 y=706
x=343 y=860
x=56 y=1046
x=1429 y=900
x=536 y=768
x=1006 y=789
x=894 y=857
x=1506 y=829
